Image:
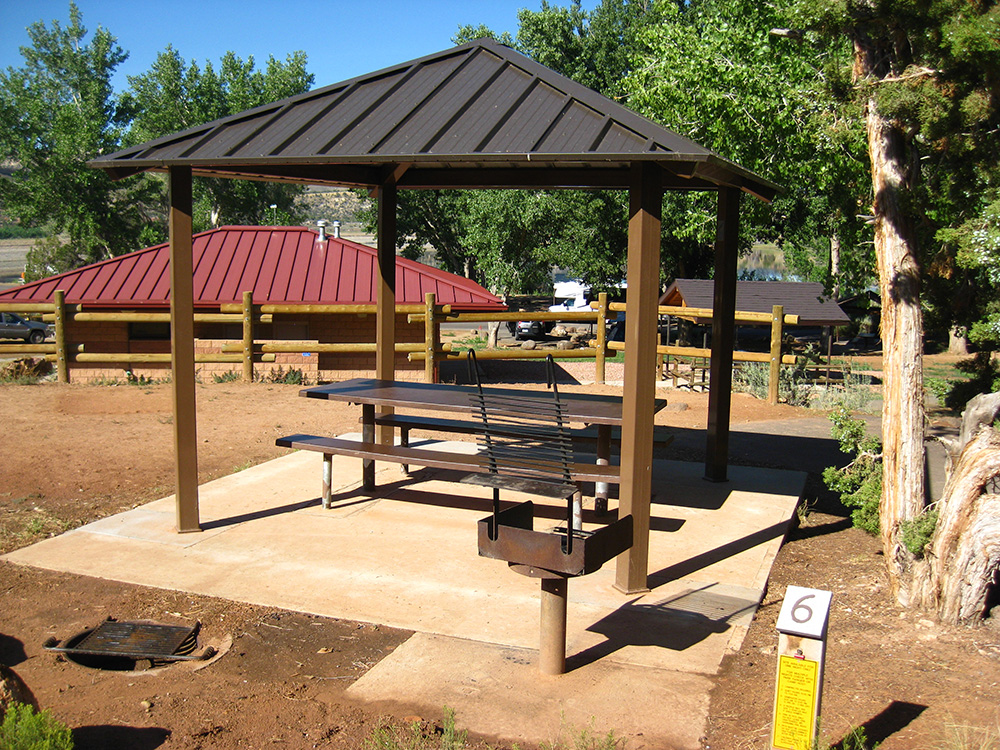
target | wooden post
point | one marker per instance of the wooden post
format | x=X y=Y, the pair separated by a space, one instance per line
x=62 y=363
x=645 y=201
x=723 y=335
x=774 y=378
x=430 y=337
x=182 y=350
x=602 y=338
x=385 y=316
x=247 y=337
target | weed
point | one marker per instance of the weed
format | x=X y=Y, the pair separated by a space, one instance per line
x=243 y=467
x=587 y=739
x=24 y=371
x=855 y=740
x=23 y=729
x=230 y=376
x=292 y=377
x=965 y=737
x=916 y=534
x=412 y=737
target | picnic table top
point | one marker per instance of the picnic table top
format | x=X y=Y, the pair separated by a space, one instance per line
x=589 y=408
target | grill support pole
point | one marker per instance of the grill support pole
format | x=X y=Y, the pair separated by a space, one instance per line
x=552 y=643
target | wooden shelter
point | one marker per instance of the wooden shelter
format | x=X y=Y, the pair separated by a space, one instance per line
x=475 y=116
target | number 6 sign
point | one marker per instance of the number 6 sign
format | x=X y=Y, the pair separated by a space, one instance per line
x=805 y=612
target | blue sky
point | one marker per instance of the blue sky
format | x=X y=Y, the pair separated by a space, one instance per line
x=342 y=39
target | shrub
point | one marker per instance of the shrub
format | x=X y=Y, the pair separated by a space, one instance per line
x=23 y=729
x=25 y=371
x=230 y=376
x=860 y=482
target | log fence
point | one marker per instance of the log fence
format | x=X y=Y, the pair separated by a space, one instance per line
x=431 y=351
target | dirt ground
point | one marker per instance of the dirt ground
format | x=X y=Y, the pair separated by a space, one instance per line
x=76 y=453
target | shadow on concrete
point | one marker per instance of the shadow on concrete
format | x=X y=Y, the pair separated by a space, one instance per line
x=896 y=716
x=676 y=623
x=258 y=514
x=403 y=490
x=705 y=559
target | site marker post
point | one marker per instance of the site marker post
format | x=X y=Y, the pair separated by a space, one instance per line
x=802 y=625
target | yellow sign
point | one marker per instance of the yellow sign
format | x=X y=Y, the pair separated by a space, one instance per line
x=795 y=703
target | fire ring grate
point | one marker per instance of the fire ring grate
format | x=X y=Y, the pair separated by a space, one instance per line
x=125 y=645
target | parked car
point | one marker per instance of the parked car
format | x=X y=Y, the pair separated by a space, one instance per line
x=15 y=327
x=533 y=329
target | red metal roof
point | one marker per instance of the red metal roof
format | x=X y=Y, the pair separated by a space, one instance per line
x=277 y=264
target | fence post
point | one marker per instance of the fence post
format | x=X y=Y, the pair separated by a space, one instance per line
x=430 y=337
x=247 y=337
x=602 y=336
x=777 y=319
x=62 y=364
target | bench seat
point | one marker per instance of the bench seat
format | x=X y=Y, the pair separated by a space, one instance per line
x=472 y=463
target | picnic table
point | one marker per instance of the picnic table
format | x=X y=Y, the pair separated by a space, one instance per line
x=594 y=411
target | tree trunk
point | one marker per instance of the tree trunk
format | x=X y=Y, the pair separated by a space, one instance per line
x=835 y=264
x=958 y=342
x=902 y=329
x=963 y=559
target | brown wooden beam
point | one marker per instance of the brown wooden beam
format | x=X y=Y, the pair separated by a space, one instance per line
x=639 y=391
x=723 y=335
x=385 y=298
x=182 y=349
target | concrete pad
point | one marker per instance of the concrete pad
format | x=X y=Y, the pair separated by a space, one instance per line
x=500 y=687
x=406 y=556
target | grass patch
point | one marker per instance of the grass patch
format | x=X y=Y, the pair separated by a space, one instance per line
x=26 y=371
x=230 y=376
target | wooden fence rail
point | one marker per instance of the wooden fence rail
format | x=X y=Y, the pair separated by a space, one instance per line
x=430 y=351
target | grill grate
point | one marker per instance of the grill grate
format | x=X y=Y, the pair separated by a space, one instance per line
x=137 y=640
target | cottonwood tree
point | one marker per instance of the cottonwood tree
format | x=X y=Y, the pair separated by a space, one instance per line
x=711 y=71
x=925 y=76
x=57 y=111
x=174 y=95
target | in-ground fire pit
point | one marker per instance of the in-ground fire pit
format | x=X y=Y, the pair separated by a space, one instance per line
x=130 y=646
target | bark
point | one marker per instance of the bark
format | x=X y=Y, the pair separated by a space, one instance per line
x=835 y=264
x=902 y=336
x=963 y=559
x=902 y=327
x=958 y=342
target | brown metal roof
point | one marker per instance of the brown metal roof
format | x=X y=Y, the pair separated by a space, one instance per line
x=805 y=299
x=277 y=264
x=478 y=115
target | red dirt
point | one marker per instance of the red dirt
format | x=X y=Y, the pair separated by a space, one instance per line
x=77 y=453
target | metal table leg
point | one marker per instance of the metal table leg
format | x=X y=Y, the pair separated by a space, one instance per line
x=368 y=435
x=603 y=459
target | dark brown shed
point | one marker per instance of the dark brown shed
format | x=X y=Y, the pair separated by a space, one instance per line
x=808 y=300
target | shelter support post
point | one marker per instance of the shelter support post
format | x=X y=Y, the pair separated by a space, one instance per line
x=182 y=350
x=645 y=201
x=723 y=335
x=385 y=323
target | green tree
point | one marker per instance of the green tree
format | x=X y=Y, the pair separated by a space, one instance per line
x=175 y=95
x=57 y=111
x=712 y=71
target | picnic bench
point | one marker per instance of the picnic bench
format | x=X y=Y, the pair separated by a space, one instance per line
x=600 y=415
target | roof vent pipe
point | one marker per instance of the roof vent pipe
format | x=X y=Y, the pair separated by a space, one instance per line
x=336 y=229
x=321 y=224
